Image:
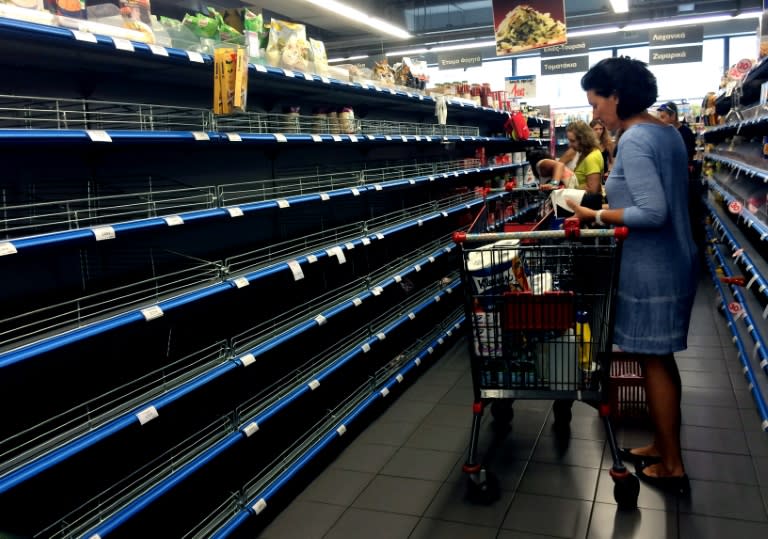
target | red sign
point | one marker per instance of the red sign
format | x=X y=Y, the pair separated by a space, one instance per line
x=533 y=24
x=734 y=308
x=735 y=206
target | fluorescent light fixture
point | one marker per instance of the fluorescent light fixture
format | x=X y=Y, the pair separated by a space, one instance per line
x=664 y=24
x=348 y=58
x=357 y=15
x=620 y=6
x=595 y=32
x=444 y=48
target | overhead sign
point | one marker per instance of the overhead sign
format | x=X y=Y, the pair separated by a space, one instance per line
x=574 y=46
x=530 y=24
x=459 y=60
x=520 y=87
x=675 y=55
x=559 y=66
x=676 y=36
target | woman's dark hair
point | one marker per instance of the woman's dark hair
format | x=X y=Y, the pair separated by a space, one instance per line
x=534 y=156
x=626 y=78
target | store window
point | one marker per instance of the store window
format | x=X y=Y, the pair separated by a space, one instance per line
x=742 y=47
x=493 y=72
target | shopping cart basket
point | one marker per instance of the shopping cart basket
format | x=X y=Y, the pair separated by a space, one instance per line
x=541 y=310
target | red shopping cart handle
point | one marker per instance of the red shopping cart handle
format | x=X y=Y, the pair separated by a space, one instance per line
x=738 y=281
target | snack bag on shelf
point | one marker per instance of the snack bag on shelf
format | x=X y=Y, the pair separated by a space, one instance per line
x=138 y=10
x=67 y=8
x=318 y=56
x=383 y=72
x=288 y=46
x=202 y=26
x=253 y=30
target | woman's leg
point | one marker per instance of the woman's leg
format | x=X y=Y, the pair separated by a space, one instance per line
x=663 y=391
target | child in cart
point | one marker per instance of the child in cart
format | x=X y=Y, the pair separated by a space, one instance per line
x=647 y=191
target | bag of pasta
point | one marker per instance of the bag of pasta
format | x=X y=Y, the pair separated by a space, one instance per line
x=288 y=46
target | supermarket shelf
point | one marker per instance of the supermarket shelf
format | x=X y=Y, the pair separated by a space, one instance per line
x=402 y=221
x=747 y=122
x=250 y=424
x=749 y=219
x=749 y=170
x=52 y=447
x=260 y=492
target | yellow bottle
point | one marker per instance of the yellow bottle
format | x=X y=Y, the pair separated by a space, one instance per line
x=584 y=340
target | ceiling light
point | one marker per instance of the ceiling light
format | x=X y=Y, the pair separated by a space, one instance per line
x=444 y=48
x=348 y=58
x=595 y=32
x=357 y=15
x=665 y=24
x=620 y=6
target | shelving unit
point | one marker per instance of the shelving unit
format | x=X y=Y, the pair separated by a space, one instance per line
x=737 y=251
x=198 y=307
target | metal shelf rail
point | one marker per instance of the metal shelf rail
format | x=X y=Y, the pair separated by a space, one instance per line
x=740 y=166
x=750 y=219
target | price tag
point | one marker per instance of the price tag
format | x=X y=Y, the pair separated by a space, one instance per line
x=321 y=320
x=173 y=220
x=366 y=348
x=417 y=361
x=338 y=253
x=147 y=415
x=200 y=135
x=103 y=233
x=399 y=378
x=250 y=429
x=371 y=137
x=377 y=187
x=444 y=214
x=235 y=211
x=325 y=80
x=411 y=315
x=279 y=137
x=417 y=267
x=234 y=137
x=357 y=302
x=381 y=336
x=241 y=282
x=283 y=203
x=428 y=138
x=352 y=138
x=349 y=246
x=97 y=135
x=735 y=206
x=336 y=138
x=158 y=50
x=195 y=57
x=298 y=274
x=392 y=91
x=259 y=506
x=150 y=313
x=412 y=182
x=289 y=73
x=7 y=248
x=377 y=88
x=341 y=430
x=379 y=236
x=752 y=281
x=431 y=259
x=397 y=278
x=449 y=333
x=84 y=36
x=325 y=196
x=417 y=138
x=440 y=340
x=247 y=360
x=431 y=350
x=314 y=384
x=311 y=259
x=431 y=178
x=122 y=44
x=384 y=392
x=355 y=191
x=260 y=68
x=437 y=299
x=365 y=241
x=377 y=291
x=316 y=138
x=403 y=138
x=387 y=137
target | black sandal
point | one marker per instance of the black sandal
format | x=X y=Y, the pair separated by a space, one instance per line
x=627 y=456
x=679 y=486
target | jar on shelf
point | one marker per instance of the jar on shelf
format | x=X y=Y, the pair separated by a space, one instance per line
x=486 y=96
x=347 y=120
x=465 y=90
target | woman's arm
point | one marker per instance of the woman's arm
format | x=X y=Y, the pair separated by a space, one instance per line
x=568 y=156
x=594 y=183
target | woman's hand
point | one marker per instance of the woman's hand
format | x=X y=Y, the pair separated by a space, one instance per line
x=584 y=214
x=548 y=187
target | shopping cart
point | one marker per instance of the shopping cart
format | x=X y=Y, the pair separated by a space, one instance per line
x=541 y=310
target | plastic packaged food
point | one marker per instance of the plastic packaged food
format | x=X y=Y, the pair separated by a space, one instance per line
x=288 y=46
x=318 y=56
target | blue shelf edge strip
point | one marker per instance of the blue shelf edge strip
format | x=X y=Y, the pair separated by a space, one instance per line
x=64 y=452
x=259 y=502
x=739 y=166
x=743 y=354
x=746 y=215
x=114 y=521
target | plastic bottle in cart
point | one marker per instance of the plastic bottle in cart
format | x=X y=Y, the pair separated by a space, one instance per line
x=584 y=339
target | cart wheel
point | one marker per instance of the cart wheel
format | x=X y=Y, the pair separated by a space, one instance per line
x=625 y=491
x=484 y=490
x=562 y=411
x=502 y=411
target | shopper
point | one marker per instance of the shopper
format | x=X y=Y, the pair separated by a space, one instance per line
x=606 y=144
x=668 y=114
x=589 y=166
x=552 y=174
x=647 y=191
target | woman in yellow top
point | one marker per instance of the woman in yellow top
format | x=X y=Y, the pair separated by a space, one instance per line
x=589 y=167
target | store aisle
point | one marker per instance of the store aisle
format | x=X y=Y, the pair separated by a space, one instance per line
x=402 y=478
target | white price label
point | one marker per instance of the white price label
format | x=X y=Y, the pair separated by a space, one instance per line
x=325 y=80
x=234 y=137
x=366 y=348
x=259 y=506
x=102 y=233
x=431 y=350
x=431 y=259
x=325 y=196
x=338 y=253
x=260 y=68
x=97 y=135
x=355 y=191
x=377 y=187
x=384 y=392
x=195 y=57
x=403 y=138
x=147 y=415
x=377 y=291
x=349 y=246
x=289 y=73
x=174 y=220
x=370 y=137
x=298 y=274
x=399 y=378
x=412 y=182
x=158 y=50
x=247 y=359
x=417 y=267
x=365 y=241
x=250 y=429
x=381 y=336
x=122 y=44
x=420 y=222
x=321 y=320
x=379 y=235
x=417 y=138
x=429 y=139
x=200 y=135
x=437 y=299
x=444 y=213
x=279 y=137
x=316 y=138
x=314 y=384
x=431 y=178
x=417 y=361
x=336 y=138
x=150 y=313
x=357 y=302
x=7 y=248
x=84 y=36
x=235 y=211
x=352 y=138
x=449 y=332
x=283 y=203
x=387 y=137
x=441 y=340
x=241 y=282
x=341 y=430
x=398 y=278
x=311 y=259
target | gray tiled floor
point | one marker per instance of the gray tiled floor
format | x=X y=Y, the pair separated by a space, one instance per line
x=402 y=477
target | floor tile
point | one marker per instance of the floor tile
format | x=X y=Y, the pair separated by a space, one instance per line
x=703 y=341
x=694 y=364
x=409 y=411
x=337 y=487
x=704 y=527
x=610 y=523
x=701 y=352
x=716 y=440
x=649 y=498
x=757 y=441
x=421 y=464
x=719 y=398
x=710 y=416
x=559 y=480
x=424 y=392
x=432 y=529
x=708 y=380
x=761 y=467
x=387 y=432
x=439 y=377
x=364 y=457
x=584 y=427
x=507 y=470
x=726 y=500
x=439 y=438
x=453 y=504
x=303 y=519
x=458 y=395
x=397 y=495
x=450 y=415
x=574 y=452
x=376 y=525
x=531 y=513
x=720 y=467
